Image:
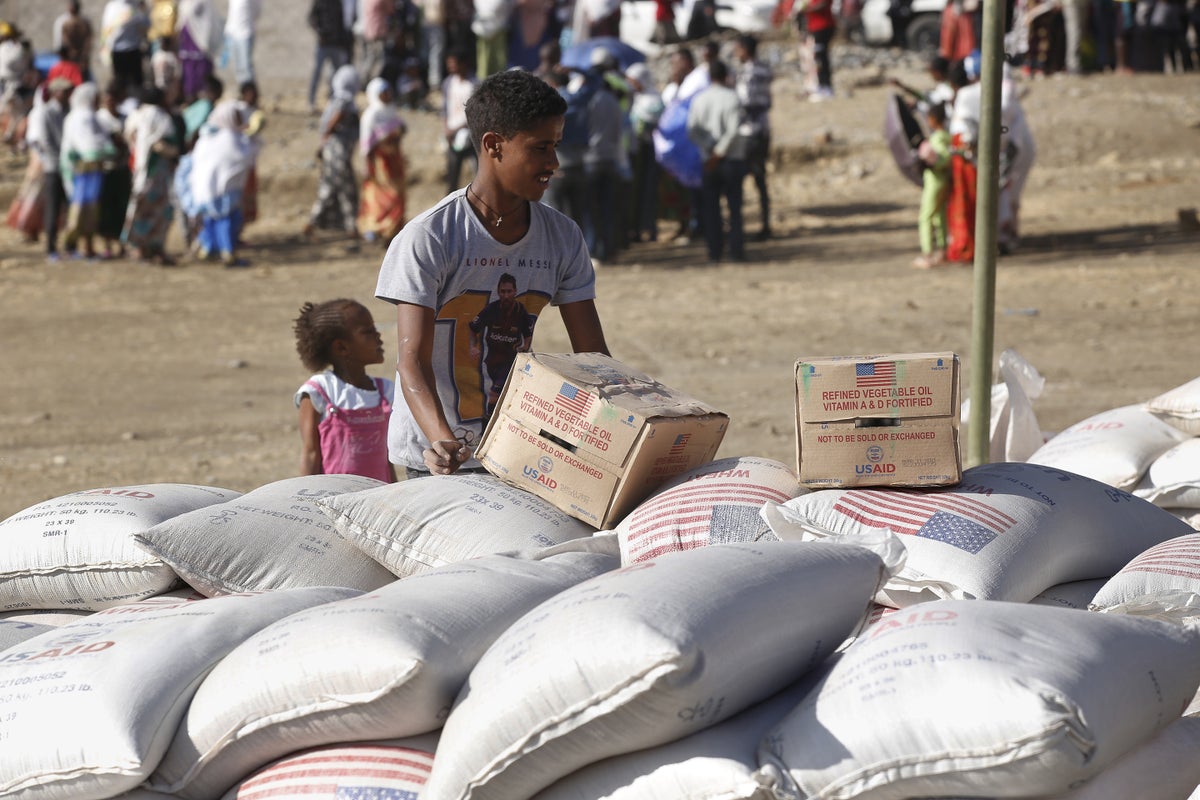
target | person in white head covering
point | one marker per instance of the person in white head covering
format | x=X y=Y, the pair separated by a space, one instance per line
x=221 y=161
x=336 y=206
x=381 y=210
x=644 y=113
x=86 y=145
x=155 y=141
x=44 y=137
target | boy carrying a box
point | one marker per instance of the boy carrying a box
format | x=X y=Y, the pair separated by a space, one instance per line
x=442 y=269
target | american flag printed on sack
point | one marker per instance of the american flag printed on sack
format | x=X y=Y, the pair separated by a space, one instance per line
x=1179 y=558
x=698 y=513
x=955 y=519
x=573 y=399
x=348 y=772
x=878 y=373
x=680 y=444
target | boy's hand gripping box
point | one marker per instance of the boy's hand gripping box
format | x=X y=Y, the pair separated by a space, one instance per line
x=886 y=420
x=592 y=436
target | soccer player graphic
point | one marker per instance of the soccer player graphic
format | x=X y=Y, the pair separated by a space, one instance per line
x=505 y=327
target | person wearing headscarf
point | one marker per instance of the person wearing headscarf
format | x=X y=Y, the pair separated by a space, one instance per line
x=44 y=137
x=86 y=145
x=644 y=113
x=221 y=160
x=381 y=211
x=336 y=207
x=155 y=140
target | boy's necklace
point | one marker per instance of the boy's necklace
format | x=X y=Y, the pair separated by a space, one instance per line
x=499 y=217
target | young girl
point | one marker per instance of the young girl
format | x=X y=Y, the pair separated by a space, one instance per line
x=931 y=224
x=343 y=411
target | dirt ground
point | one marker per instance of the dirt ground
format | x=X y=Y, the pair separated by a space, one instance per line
x=125 y=373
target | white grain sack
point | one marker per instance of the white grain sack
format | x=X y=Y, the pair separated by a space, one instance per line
x=271 y=538
x=13 y=632
x=388 y=770
x=1173 y=480
x=1114 y=447
x=1076 y=594
x=1164 y=768
x=55 y=619
x=1179 y=407
x=1015 y=432
x=94 y=703
x=644 y=656
x=1163 y=582
x=984 y=699
x=717 y=503
x=718 y=763
x=1007 y=532
x=1189 y=516
x=77 y=551
x=414 y=525
x=383 y=665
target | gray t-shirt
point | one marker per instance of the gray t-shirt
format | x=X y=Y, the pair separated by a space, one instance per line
x=445 y=259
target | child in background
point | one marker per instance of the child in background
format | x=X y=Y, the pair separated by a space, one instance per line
x=931 y=224
x=255 y=120
x=344 y=413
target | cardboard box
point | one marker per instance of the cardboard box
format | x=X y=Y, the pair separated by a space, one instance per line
x=886 y=420
x=593 y=436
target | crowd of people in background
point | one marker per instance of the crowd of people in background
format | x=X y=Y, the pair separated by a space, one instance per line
x=1080 y=36
x=162 y=143
x=112 y=168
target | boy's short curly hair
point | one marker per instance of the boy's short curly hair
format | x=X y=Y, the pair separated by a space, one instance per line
x=318 y=327
x=510 y=102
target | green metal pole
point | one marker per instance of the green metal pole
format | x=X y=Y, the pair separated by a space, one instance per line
x=987 y=202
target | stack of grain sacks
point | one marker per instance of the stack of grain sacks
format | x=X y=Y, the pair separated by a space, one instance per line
x=733 y=636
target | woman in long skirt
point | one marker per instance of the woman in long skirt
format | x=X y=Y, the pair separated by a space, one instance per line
x=86 y=145
x=336 y=207
x=25 y=212
x=381 y=213
x=155 y=141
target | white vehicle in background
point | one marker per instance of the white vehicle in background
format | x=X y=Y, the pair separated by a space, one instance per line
x=914 y=24
x=743 y=16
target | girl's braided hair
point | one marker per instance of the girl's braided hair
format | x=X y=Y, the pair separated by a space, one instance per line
x=317 y=328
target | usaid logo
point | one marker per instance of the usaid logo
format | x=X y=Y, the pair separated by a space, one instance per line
x=874 y=454
x=539 y=473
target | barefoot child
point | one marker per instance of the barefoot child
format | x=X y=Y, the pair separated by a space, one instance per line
x=931 y=224
x=343 y=411
x=442 y=269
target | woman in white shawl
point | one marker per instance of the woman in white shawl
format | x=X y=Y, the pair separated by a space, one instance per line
x=86 y=145
x=221 y=160
x=381 y=212
x=155 y=141
x=336 y=206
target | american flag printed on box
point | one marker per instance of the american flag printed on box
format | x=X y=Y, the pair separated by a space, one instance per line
x=877 y=373
x=956 y=519
x=701 y=512
x=573 y=399
x=342 y=772
x=680 y=444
